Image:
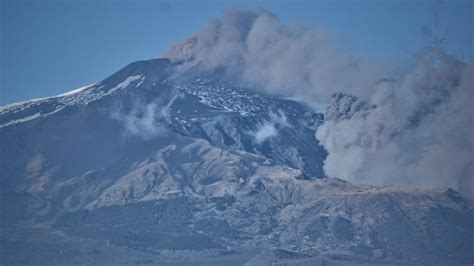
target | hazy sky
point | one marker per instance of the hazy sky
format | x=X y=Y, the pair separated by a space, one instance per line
x=52 y=46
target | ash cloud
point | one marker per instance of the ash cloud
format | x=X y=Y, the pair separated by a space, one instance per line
x=415 y=128
x=292 y=60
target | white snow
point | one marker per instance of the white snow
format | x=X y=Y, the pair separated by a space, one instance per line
x=225 y=97
x=125 y=83
x=142 y=79
x=28 y=118
x=80 y=96
x=78 y=90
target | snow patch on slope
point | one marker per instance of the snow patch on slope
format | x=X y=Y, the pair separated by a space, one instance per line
x=122 y=85
x=22 y=111
x=76 y=91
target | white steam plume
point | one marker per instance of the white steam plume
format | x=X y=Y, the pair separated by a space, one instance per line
x=145 y=120
x=141 y=121
x=268 y=129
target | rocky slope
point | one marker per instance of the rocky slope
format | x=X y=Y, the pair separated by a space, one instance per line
x=147 y=161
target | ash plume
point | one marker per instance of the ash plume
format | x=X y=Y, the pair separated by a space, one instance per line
x=414 y=128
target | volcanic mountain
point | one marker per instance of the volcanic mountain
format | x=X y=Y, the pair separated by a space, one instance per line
x=154 y=166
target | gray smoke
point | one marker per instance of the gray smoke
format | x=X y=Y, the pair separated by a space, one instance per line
x=415 y=128
x=285 y=59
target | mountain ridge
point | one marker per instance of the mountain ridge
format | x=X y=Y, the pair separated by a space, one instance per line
x=200 y=159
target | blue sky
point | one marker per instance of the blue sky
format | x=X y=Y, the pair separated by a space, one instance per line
x=52 y=46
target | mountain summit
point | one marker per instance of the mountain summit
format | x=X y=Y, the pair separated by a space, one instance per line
x=155 y=166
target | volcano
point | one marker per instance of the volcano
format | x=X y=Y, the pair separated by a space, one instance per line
x=153 y=166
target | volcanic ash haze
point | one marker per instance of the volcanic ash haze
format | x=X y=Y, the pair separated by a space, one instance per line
x=418 y=131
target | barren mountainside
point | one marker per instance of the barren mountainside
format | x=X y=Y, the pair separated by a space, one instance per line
x=173 y=169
